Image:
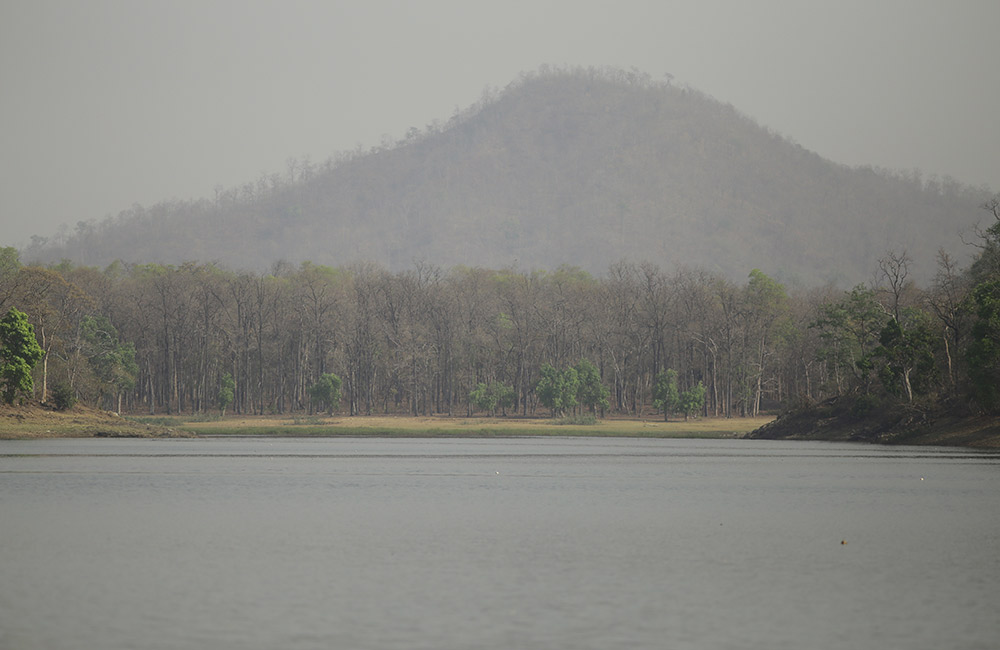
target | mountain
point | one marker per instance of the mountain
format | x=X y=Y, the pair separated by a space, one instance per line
x=579 y=167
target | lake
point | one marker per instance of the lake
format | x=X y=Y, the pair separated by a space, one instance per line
x=496 y=543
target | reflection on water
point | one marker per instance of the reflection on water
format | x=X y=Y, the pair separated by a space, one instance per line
x=443 y=543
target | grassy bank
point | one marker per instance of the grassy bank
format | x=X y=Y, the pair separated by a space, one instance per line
x=36 y=421
x=33 y=420
x=838 y=419
x=424 y=427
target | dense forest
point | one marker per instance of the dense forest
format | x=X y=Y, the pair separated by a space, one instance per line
x=197 y=338
x=580 y=167
x=597 y=241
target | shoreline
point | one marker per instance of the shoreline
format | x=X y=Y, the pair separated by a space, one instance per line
x=836 y=420
x=36 y=421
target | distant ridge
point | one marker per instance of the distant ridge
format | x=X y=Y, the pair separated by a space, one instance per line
x=582 y=167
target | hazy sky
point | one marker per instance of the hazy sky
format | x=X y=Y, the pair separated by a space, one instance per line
x=108 y=103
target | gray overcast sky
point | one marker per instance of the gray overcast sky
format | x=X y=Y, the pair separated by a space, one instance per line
x=106 y=103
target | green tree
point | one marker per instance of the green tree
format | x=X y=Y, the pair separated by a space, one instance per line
x=487 y=397
x=482 y=398
x=665 y=395
x=112 y=360
x=557 y=389
x=63 y=396
x=766 y=325
x=692 y=400
x=849 y=333
x=227 y=392
x=505 y=396
x=905 y=357
x=987 y=264
x=10 y=264
x=983 y=352
x=19 y=352
x=592 y=392
x=326 y=391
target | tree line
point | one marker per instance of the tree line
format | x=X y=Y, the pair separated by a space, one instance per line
x=360 y=339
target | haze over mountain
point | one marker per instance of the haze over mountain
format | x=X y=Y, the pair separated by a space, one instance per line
x=579 y=166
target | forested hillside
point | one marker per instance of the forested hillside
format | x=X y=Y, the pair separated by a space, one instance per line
x=579 y=167
x=640 y=340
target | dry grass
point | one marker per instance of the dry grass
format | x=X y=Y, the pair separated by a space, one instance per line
x=36 y=421
x=462 y=426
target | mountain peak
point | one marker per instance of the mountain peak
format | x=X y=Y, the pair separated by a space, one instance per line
x=582 y=167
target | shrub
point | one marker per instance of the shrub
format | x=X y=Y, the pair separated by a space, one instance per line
x=63 y=397
x=864 y=405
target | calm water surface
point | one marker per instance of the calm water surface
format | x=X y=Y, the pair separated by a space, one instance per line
x=511 y=543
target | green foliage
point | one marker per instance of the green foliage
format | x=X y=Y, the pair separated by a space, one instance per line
x=488 y=397
x=864 y=404
x=557 y=389
x=113 y=361
x=666 y=397
x=987 y=266
x=16 y=377
x=983 y=353
x=326 y=391
x=849 y=332
x=19 y=352
x=692 y=401
x=765 y=292
x=905 y=358
x=505 y=396
x=591 y=392
x=63 y=396
x=10 y=262
x=481 y=398
x=227 y=392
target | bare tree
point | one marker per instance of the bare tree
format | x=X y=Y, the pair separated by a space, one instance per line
x=945 y=300
x=893 y=269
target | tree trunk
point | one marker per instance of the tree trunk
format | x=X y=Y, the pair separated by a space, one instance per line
x=947 y=354
x=45 y=368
